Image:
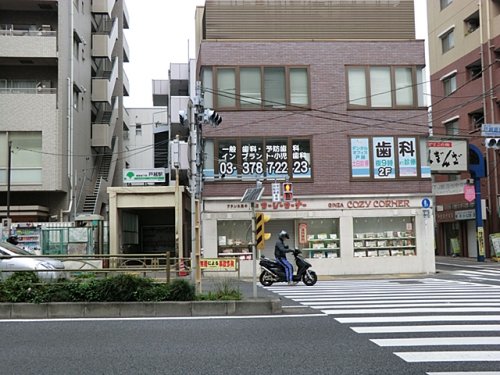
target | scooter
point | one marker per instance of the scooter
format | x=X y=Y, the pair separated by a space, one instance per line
x=273 y=271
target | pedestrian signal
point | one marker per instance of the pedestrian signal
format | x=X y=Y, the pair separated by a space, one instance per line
x=287 y=191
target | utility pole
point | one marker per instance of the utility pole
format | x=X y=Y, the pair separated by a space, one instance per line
x=9 y=168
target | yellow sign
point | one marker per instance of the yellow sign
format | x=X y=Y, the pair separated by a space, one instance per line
x=218 y=264
x=480 y=241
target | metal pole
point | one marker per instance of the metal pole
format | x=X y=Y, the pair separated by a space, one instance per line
x=479 y=222
x=254 y=254
x=9 y=167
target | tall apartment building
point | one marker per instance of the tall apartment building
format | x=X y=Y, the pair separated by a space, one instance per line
x=327 y=96
x=61 y=106
x=464 y=40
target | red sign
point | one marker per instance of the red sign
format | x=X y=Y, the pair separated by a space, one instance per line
x=302 y=233
x=469 y=193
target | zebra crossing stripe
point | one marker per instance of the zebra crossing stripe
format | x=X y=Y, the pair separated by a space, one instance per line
x=419 y=318
x=411 y=310
x=437 y=341
x=429 y=328
x=451 y=356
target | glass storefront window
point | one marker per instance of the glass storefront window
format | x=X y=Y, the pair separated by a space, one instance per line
x=384 y=236
x=319 y=238
x=234 y=238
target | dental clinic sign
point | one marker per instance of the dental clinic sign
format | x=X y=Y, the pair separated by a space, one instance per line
x=143 y=176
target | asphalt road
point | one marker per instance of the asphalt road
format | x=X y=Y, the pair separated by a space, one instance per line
x=322 y=337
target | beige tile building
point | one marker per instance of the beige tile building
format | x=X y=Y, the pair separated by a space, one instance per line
x=61 y=106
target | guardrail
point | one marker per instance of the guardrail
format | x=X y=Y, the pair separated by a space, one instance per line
x=156 y=266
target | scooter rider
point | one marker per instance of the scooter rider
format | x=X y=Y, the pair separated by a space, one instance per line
x=280 y=250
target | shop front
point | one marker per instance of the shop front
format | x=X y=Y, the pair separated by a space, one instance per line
x=339 y=236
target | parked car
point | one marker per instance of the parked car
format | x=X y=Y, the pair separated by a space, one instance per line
x=14 y=258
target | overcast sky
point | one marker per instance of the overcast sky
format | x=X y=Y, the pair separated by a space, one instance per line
x=162 y=32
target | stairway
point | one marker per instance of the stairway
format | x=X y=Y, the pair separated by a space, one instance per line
x=90 y=200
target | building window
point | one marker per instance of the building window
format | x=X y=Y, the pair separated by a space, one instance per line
x=451 y=127
x=449 y=83
x=384 y=87
x=138 y=129
x=255 y=87
x=246 y=158
x=445 y=3
x=471 y=23
x=476 y=119
x=474 y=70
x=447 y=40
x=26 y=158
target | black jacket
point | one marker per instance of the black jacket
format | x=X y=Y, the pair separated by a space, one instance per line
x=280 y=249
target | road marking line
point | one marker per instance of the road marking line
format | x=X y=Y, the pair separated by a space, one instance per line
x=465 y=373
x=420 y=318
x=322 y=305
x=437 y=341
x=429 y=328
x=415 y=302
x=162 y=318
x=455 y=356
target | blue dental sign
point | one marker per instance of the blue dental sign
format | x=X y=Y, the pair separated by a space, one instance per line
x=426 y=203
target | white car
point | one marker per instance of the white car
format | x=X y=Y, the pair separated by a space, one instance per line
x=15 y=258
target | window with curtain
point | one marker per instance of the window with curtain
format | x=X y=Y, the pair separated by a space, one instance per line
x=226 y=87
x=207 y=86
x=357 y=86
x=404 y=89
x=384 y=86
x=298 y=86
x=380 y=85
x=274 y=87
x=26 y=157
x=250 y=90
x=450 y=84
x=448 y=41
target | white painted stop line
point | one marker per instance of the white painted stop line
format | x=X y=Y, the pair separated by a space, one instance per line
x=452 y=356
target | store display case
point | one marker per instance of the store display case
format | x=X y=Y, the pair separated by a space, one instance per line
x=398 y=240
x=320 y=238
x=234 y=239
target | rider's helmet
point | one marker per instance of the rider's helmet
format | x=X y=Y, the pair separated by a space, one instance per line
x=284 y=234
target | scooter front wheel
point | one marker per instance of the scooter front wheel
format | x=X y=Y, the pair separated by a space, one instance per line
x=309 y=278
x=266 y=278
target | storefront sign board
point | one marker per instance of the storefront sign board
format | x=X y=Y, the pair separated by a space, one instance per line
x=141 y=176
x=448 y=156
x=218 y=264
x=448 y=188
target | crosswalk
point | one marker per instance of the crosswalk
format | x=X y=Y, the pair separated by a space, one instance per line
x=477 y=273
x=433 y=322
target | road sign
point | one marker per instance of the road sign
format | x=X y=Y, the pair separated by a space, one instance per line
x=490 y=130
x=426 y=203
x=276 y=191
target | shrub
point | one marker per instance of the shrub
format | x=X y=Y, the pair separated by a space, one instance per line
x=26 y=287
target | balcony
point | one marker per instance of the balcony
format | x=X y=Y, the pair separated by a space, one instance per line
x=28 y=41
x=102 y=132
x=104 y=42
x=103 y=6
x=126 y=85
x=104 y=83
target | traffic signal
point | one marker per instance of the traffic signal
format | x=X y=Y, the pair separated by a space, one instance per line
x=492 y=143
x=212 y=117
x=287 y=191
x=260 y=234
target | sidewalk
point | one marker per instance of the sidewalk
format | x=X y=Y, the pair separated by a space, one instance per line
x=461 y=261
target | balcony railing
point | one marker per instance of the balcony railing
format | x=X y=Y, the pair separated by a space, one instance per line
x=23 y=30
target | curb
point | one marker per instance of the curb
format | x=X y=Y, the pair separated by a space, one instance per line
x=57 y=310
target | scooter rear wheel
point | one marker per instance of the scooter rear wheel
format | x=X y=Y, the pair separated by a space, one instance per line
x=310 y=278
x=266 y=278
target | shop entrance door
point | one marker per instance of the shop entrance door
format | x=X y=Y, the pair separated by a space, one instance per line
x=471 y=239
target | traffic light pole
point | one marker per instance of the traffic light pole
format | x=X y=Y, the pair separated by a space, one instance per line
x=254 y=253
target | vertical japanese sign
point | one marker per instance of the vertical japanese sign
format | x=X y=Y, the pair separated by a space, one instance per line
x=228 y=159
x=383 y=157
x=252 y=157
x=407 y=154
x=360 y=157
x=301 y=159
